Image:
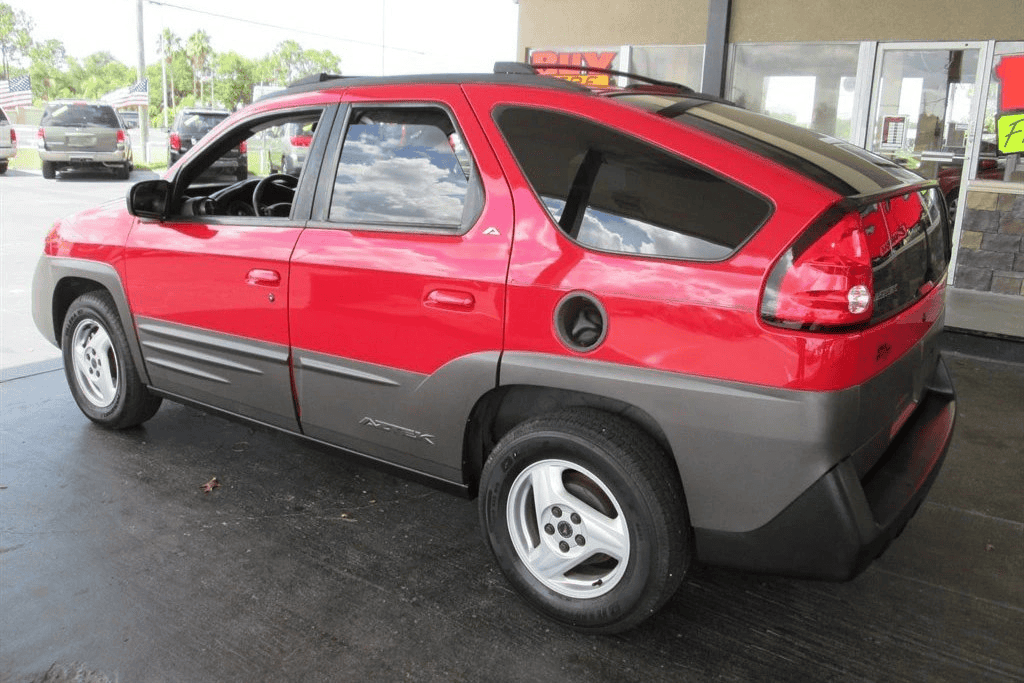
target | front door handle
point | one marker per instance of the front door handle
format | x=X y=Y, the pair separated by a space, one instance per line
x=451 y=299
x=263 y=277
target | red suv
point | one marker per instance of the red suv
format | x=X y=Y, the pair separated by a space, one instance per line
x=644 y=326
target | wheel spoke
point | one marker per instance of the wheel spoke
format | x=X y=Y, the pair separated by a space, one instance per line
x=549 y=565
x=604 y=534
x=548 y=488
x=100 y=342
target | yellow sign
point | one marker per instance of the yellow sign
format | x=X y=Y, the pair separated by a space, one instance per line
x=1010 y=129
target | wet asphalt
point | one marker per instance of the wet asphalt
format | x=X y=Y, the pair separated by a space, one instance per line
x=305 y=565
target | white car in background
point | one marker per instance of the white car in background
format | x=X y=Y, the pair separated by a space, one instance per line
x=8 y=142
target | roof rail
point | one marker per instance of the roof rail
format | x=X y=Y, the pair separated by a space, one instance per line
x=315 y=78
x=523 y=68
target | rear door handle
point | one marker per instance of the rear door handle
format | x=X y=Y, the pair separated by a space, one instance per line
x=263 y=277
x=450 y=299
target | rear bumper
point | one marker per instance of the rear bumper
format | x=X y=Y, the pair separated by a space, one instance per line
x=84 y=158
x=842 y=522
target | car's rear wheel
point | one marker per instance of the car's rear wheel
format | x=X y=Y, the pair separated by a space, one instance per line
x=3 y=167
x=49 y=170
x=585 y=516
x=124 y=172
x=99 y=365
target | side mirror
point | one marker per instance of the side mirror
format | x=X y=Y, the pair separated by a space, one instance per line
x=149 y=199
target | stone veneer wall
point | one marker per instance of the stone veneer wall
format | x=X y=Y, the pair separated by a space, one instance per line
x=991 y=256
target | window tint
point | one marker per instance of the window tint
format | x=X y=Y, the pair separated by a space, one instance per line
x=3 y=116
x=611 y=192
x=399 y=166
x=78 y=114
x=199 y=124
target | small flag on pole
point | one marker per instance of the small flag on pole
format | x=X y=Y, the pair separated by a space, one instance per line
x=138 y=95
x=130 y=96
x=16 y=92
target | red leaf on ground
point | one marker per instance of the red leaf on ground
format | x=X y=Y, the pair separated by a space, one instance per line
x=210 y=485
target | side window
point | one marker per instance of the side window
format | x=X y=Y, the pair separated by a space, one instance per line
x=246 y=171
x=612 y=192
x=404 y=166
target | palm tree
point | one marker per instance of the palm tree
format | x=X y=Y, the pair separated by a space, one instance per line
x=168 y=44
x=198 y=50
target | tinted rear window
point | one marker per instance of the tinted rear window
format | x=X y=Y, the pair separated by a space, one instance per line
x=197 y=125
x=612 y=192
x=80 y=115
x=3 y=116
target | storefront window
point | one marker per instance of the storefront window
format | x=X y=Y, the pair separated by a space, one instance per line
x=810 y=85
x=993 y=164
x=677 y=63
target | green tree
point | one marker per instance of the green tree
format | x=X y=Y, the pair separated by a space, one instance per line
x=199 y=52
x=167 y=46
x=235 y=76
x=47 y=67
x=289 y=62
x=15 y=36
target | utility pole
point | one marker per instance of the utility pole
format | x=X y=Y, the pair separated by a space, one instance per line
x=143 y=111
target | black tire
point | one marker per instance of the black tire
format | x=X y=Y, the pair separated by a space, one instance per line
x=124 y=172
x=612 y=488
x=3 y=167
x=99 y=366
x=49 y=170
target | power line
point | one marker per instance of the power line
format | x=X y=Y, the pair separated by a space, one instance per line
x=275 y=26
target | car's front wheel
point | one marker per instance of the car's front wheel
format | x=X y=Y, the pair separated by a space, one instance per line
x=585 y=516
x=99 y=366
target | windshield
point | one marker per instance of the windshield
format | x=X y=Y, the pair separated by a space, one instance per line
x=80 y=115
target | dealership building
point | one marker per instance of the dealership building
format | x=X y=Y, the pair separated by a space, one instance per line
x=922 y=82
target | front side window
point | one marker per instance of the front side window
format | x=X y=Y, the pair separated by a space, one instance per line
x=403 y=166
x=611 y=192
x=237 y=174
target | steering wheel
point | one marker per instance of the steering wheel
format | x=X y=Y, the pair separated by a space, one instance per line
x=277 y=180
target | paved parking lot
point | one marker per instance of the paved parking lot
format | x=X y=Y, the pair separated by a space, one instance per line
x=306 y=566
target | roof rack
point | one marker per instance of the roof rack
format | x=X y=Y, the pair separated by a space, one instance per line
x=521 y=68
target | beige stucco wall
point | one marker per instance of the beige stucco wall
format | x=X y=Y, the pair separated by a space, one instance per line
x=556 y=23
x=550 y=23
x=823 y=20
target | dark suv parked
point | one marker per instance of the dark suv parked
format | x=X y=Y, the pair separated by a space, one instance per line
x=643 y=326
x=190 y=125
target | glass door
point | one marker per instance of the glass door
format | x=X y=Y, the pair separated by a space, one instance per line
x=924 y=100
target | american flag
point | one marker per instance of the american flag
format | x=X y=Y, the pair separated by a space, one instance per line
x=16 y=93
x=138 y=95
x=135 y=95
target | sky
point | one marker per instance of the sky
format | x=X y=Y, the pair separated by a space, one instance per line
x=419 y=36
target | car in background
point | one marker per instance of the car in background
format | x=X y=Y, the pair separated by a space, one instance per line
x=130 y=118
x=644 y=327
x=289 y=146
x=190 y=126
x=8 y=142
x=80 y=135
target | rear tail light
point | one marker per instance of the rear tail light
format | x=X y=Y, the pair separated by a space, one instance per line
x=175 y=141
x=824 y=280
x=120 y=137
x=301 y=140
x=41 y=137
x=242 y=147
